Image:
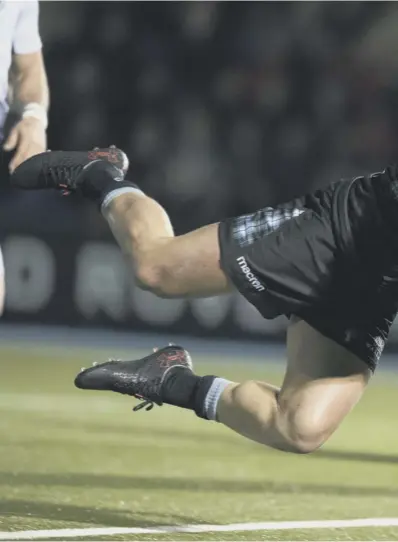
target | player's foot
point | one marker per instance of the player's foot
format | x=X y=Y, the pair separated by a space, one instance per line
x=62 y=169
x=144 y=379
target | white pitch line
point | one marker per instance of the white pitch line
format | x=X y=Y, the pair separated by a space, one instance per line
x=262 y=526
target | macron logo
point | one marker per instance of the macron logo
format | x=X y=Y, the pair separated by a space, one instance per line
x=249 y=275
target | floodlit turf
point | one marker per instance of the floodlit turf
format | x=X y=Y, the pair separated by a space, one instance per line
x=73 y=459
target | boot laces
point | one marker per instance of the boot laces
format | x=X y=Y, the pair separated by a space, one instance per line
x=63 y=175
x=146 y=390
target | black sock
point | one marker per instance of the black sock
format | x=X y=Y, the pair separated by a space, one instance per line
x=183 y=388
x=100 y=178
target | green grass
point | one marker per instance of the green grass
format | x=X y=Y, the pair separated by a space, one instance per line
x=78 y=459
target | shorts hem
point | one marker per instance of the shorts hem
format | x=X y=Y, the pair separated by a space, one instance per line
x=370 y=361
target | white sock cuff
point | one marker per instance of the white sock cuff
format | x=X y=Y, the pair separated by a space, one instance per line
x=213 y=396
x=118 y=192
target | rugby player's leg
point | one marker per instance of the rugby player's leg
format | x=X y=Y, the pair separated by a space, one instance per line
x=169 y=266
x=323 y=382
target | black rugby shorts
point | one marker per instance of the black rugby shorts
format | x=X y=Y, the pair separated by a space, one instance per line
x=314 y=258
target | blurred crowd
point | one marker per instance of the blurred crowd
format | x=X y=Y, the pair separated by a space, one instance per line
x=222 y=107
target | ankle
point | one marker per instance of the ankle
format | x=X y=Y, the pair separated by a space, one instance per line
x=201 y=394
x=209 y=406
x=129 y=192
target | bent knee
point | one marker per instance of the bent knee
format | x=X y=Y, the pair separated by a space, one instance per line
x=305 y=431
x=285 y=425
x=156 y=279
x=304 y=444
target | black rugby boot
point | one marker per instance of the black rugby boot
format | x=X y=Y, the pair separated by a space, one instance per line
x=62 y=169
x=146 y=379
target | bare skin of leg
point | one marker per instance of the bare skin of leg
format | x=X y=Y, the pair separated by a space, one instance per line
x=323 y=381
x=184 y=266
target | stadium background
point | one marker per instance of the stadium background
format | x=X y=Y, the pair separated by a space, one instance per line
x=222 y=108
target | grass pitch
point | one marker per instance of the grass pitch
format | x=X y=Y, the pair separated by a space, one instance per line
x=74 y=459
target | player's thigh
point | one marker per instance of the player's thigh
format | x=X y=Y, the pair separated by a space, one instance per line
x=323 y=381
x=189 y=265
